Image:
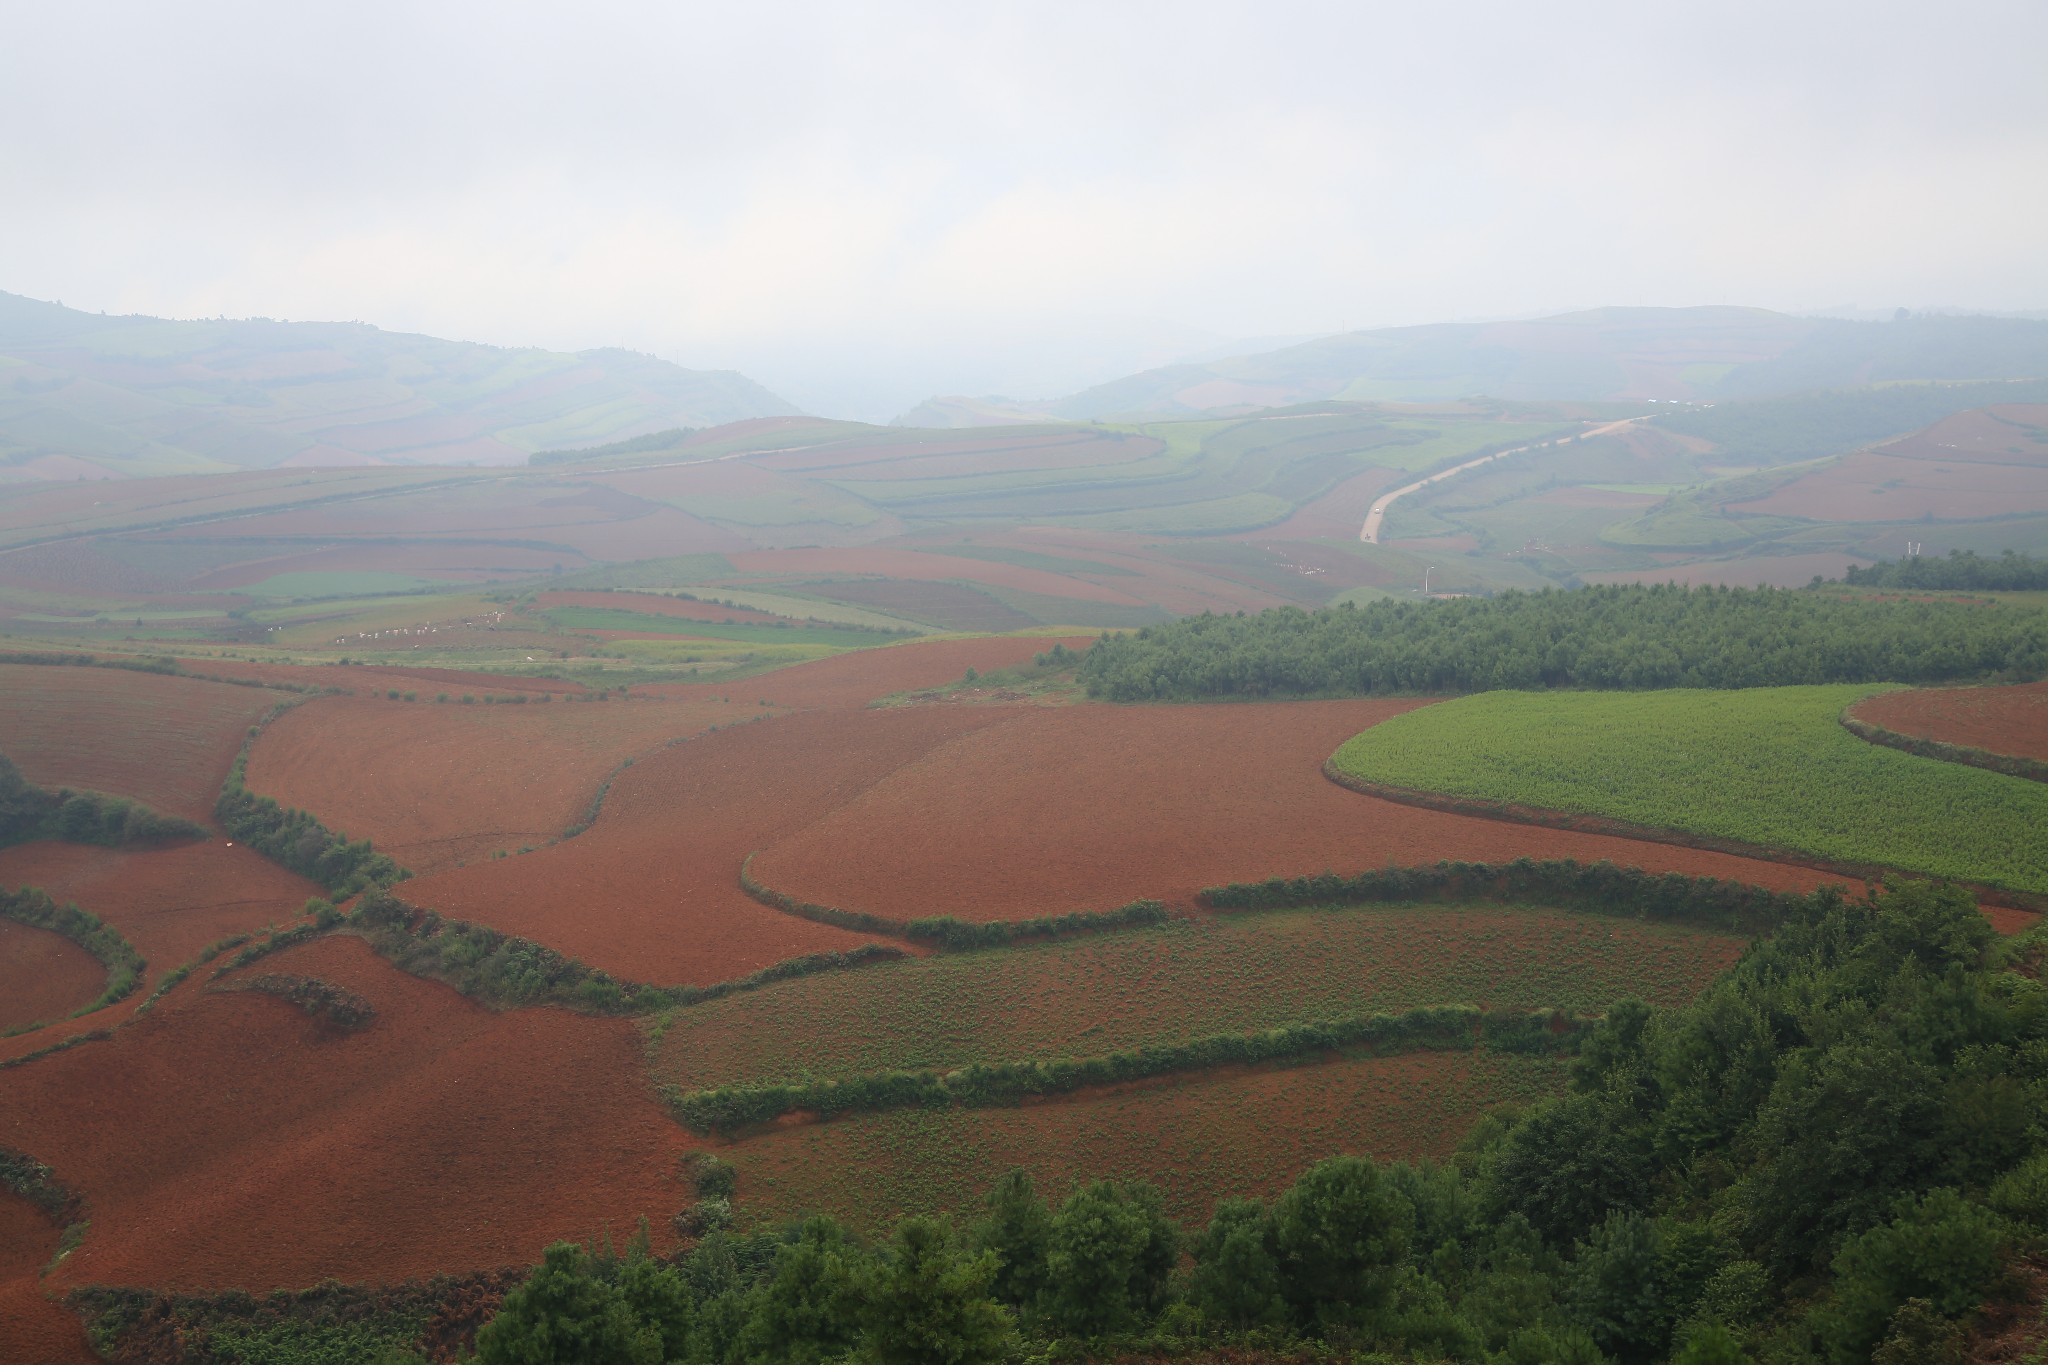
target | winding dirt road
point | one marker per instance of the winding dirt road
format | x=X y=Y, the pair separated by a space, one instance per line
x=1370 y=532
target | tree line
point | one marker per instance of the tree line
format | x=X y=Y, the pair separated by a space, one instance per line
x=1962 y=570
x=33 y=906
x=1626 y=637
x=31 y=812
x=1833 y=1156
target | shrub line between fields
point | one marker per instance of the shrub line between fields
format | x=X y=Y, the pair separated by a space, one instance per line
x=1514 y=813
x=949 y=932
x=38 y=1184
x=125 y=966
x=2012 y=765
x=1444 y=1028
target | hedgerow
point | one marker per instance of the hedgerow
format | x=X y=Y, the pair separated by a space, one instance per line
x=1602 y=887
x=81 y=817
x=318 y=998
x=124 y=965
x=1446 y=1027
x=297 y=839
x=2012 y=765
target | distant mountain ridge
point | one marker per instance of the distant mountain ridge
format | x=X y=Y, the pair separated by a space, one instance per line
x=83 y=395
x=1687 y=354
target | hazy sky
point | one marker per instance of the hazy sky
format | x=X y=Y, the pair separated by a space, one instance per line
x=862 y=204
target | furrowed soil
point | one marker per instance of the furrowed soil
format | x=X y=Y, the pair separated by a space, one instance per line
x=2003 y=720
x=34 y=1330
x=163 y=740
x=1054 y=809
x=1237 y=973
x=227 y=1141
x=169 y=903
x=1202 y=1139
x=43 y=976
x=436 y=786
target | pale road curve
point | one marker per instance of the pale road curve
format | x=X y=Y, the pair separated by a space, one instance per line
x=1370 y=532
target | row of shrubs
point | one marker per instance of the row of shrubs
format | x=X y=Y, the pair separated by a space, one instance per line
x=30 y=812
x=297 y=839
x=501 y=969
x=134 y=664
x=38 y=1184
x=318 y=998
x=1566 y=883
x=124 y=965
x=1440 y=1028
x=949 y=931
x=2012 y=765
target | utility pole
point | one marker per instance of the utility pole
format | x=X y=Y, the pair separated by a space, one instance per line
x=1425 y=579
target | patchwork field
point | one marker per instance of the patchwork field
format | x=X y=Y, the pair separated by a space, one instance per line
x=1769 y=767
x=1201 y=1140
x=228 y=1141
x=437 y=785
x=1238 y=973
x=165 y=741
x=2001 y=720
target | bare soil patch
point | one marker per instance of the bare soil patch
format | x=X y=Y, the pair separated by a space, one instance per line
x=226 y=1141
x=163 y=740
x=1086 y=807
x=43 y=975
x=651 y=891
x=2003 y=720
x=438 y=785
x=1876 y=486
x=34 y=1330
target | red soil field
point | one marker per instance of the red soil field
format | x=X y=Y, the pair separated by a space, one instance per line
x=43 y=976
x=34 y=1330
x=850 y=681
x=169 y=903
x=227 y=1141
x=1876 y=486
x=1337 y=514
x=1202 y=1138
x=652 y=890
x=928 y=564
x=2004 y=720
x=438 y=785
x=2008 y=433
x=375 y=678
x=164 y=740
x=654 y=604
x=1052 y=809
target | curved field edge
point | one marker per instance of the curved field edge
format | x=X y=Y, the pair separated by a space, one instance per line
x=1769 y=769
x=980 y=1085
x=2011 y=765
x=124 y=966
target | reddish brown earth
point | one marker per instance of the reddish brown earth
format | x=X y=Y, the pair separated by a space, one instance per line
x=851 y=681
x=164 y=740
x=43 y=975
x=652 y=890
x=227 y=1141
x=2007 y=433
x=34 y=1330
x=1052 y=809
x=169 y=903
x=438 y=785
x=1876 y=486
x=2004 y=720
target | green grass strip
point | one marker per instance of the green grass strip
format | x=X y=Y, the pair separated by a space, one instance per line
x=1771 y=768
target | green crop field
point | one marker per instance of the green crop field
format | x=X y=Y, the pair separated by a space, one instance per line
x=608 y=618
x=1200 y=1139
x=1769 y=766
x=1190 y=978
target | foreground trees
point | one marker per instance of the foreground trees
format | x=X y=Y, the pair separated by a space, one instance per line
x=1836 y=1155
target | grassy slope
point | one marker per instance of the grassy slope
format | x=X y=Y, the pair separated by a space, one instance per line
x=1088 y=996
x=1769 y=766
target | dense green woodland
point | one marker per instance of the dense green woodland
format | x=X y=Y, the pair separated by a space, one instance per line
x=1836 y=1155
x=1602 y=637
x=1963 y=570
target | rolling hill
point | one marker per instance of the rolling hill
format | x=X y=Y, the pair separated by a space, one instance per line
x=83 y=395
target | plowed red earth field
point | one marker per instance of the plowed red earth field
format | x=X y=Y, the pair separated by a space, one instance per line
x=1200 y=1139
x=227 y=1141
x=1052 y=809
x=33 y=1329
x=169 y=903
x=2004 y=720
x=436 y=786
x=651 y=891
x=164 y=740
x=43 y=976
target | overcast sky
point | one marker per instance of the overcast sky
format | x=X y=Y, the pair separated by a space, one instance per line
x=863 y=204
